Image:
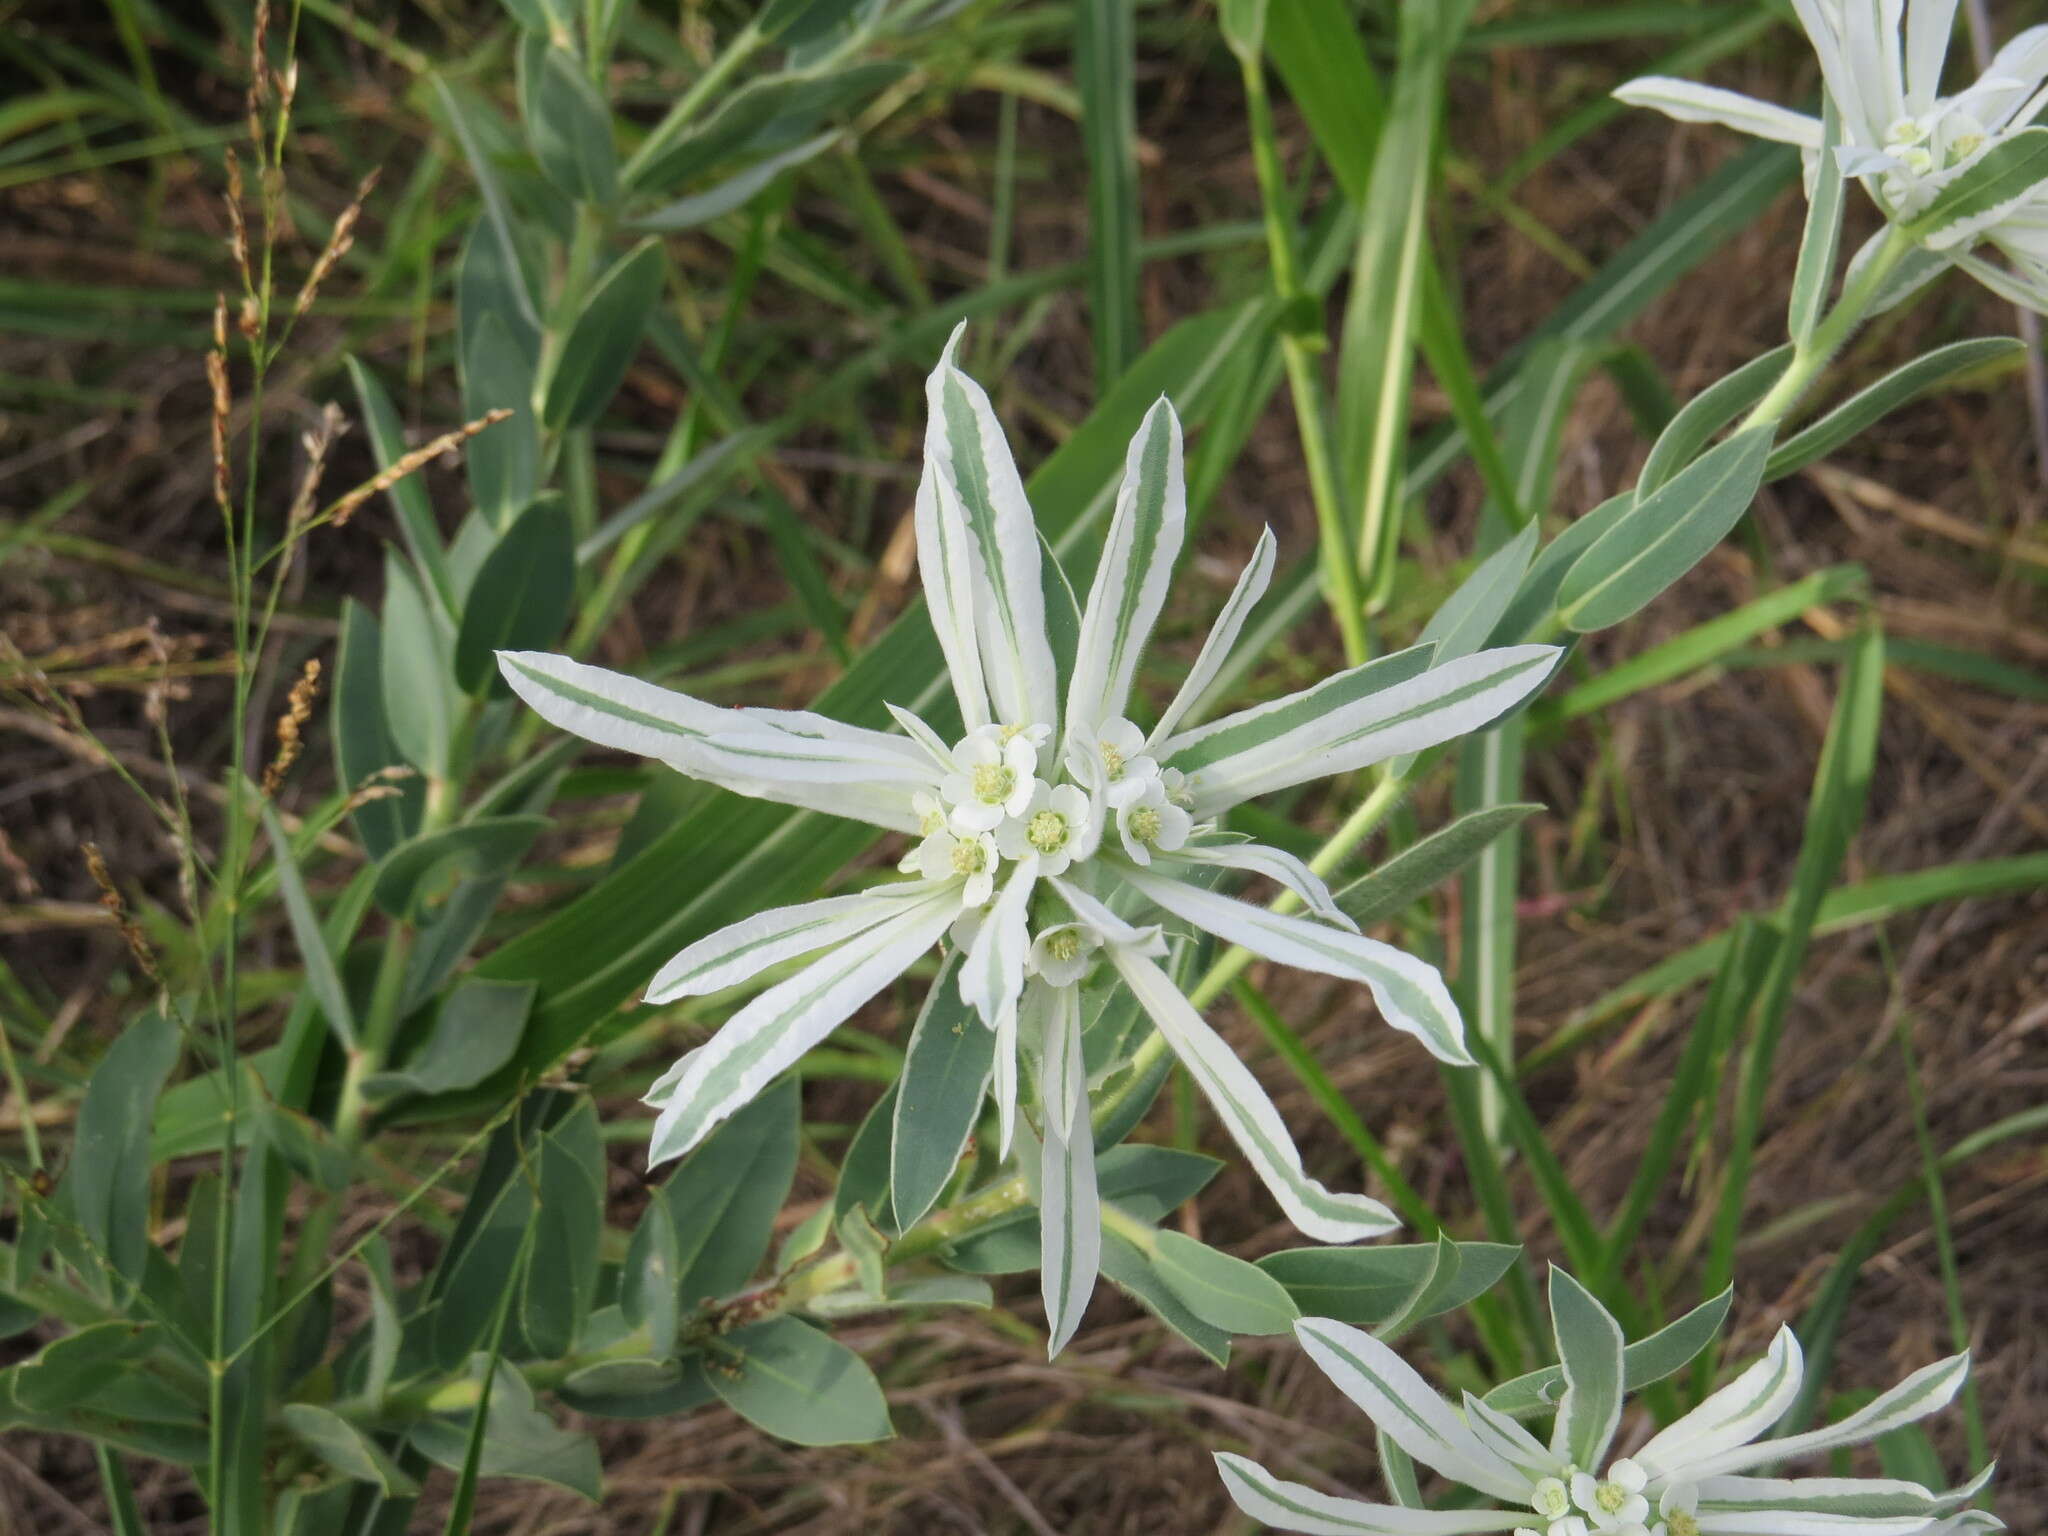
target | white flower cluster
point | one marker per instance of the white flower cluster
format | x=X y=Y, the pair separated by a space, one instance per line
x=1881 y=62
x=1054 y=835
x=993 y=806
x=1693 y=1478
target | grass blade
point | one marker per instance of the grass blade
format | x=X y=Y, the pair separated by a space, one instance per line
x=1105 y=49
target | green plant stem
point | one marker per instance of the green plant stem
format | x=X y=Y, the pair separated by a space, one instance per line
x=1304 y=382
x=1813 y=355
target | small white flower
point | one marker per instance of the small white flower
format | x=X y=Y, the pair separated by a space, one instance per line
x=994 y=771
x=1146 y=820
x=1058 y=825
x=1615 y=1502
x=949 y=854
x=1062 y=955
x=1678 y=1511
x=1550 y=1498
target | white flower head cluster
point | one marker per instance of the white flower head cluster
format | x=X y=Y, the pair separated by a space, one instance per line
x=1054 y=836
x=1694 y=1478
x=1881 y=64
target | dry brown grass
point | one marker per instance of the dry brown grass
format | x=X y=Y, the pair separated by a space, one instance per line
x=1113 y=1441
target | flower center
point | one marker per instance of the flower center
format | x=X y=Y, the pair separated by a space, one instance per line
x=1610 y=1497
x=1112 y=761
x=931 y=822
x=1064 y=945
x=1145 y=825
x=1679 y=1523
x=993 y=782
x=1551 y=1499
x=1047 y=832
x=969 y=857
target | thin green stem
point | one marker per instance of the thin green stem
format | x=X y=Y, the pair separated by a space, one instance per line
x=1812 y=356
x=1304 y=381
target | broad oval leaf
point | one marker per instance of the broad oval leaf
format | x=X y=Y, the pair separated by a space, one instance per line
x=1664 y=535
x=1927 y=372
x=567 y=123
x=474 y=1033
x=800 y=1385
x=1368 y=1286
x=1220 y=1289
x=939 y=1097
x=521 y=596
x=108 y=1180
x=345 y=1448
x=603 y=339
x=413 y=877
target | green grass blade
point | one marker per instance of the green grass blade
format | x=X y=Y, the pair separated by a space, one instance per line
x=1704 y=644
x=1843 y=908
x=1105 y=52
x=1834 y=812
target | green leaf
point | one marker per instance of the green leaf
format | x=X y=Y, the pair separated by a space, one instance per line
x=638 y=1389
x=347 y=1449
x=1220 y=1289
x=518 y=1439
x=362 y=744
x=467 y=118
x=1132 y=1273
x=560 y=1281
x=503 y=463
x=417 y=874
x=1368 y=1286
x=1589 y=1348
x=1866 y=407
x=1665 y=535
x=1105 y=54
x=796 y=22
x=108 y=1180
x=733 y=193
x=1427 y=1299
x=521 y=597
x=864 y=1243
x=762 y=117
x=1704 y=644
x=1820 y=241
x=474 y=1033
x=864 y=1171
x=1529 y=614
x=1243 y=23
x=567 y=123
x=1375 y=362
x=722 y=1201
x=1426 y=864
x=1841 y=784
x=800 y=1385
x=1664 y=1353
x=603 y=339
x=1474 y=610
x=408 y=497
x=69 y=1370
x=650 y=1294
x=322 y=976
x=418 y=673
x=1689 y=432
x=939 y=1097
x=1965 y=207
